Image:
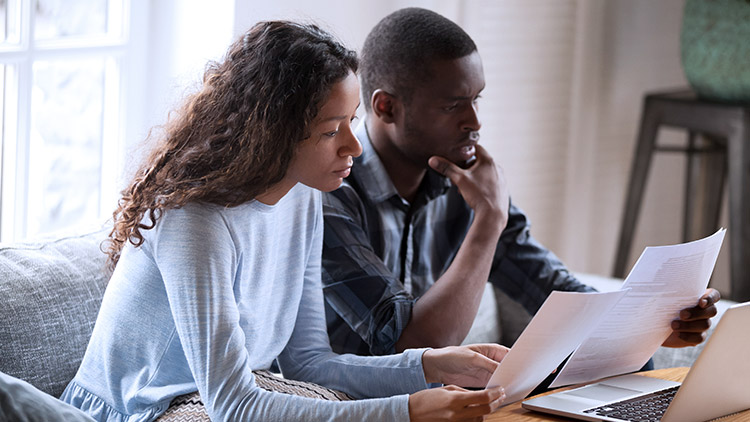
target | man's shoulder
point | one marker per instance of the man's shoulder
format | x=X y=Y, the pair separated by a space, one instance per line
x=347 y=192
x=347 y=198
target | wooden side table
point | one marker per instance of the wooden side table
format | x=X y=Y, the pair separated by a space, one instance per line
x=515 y=413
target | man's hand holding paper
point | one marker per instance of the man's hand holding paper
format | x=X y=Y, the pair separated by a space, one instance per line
x=690 y=328
x=665 y=281
x=664 y=301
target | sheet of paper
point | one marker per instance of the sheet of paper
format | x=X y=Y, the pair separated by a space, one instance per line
x=560 y=325
x=664 y=280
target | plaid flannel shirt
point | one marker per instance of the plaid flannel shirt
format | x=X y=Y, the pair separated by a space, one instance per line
x=381 y=253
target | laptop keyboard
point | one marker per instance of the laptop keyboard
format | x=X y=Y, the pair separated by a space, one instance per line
x=646 y=408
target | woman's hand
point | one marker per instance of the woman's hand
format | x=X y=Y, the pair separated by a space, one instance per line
x=453 y=403
x=466 y=366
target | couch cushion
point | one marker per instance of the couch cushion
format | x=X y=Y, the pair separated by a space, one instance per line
x=486 y=327
x=50 y=293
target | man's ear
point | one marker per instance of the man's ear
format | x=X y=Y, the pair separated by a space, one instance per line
x=384 y=105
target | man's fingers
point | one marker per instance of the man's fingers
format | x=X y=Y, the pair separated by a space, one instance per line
x=709 y=298
x=444 y=167
x=697 y=313
x=482 y=152
x=705 y=308
x=692 y=338
x=697 y=326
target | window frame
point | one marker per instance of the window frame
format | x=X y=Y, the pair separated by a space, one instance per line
x=125 y=59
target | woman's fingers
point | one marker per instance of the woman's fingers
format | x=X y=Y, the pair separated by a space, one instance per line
x=453 y=403
x=480 y=403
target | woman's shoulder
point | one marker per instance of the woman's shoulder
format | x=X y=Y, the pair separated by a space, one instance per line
x=304 y=193
x=299 y=199
x=303 y=202
x=194 y=213
x=193 y=220
x=202 y=216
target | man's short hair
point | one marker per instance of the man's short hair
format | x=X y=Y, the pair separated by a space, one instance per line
x=398 y=50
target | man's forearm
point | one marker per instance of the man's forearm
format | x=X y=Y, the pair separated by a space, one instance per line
x=445 y=313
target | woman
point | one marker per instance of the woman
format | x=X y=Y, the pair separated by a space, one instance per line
x=217 y=244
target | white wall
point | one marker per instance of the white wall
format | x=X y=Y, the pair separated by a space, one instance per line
x=529 y=56
x=183 y=35
x=641 y=53
x=560 y=113
x=186 y=34
x=348 y=20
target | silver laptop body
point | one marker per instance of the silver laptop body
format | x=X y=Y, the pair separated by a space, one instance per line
x=717 y=384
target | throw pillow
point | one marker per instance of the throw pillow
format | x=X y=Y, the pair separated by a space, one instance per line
x=189 y=408
x=22 y=402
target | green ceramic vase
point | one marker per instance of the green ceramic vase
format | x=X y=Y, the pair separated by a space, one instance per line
x=715 y=48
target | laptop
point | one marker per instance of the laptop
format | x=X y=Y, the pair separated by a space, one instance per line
x=717 y=384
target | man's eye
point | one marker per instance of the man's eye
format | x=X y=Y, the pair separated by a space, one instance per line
x=331 y=134
x=450 y=107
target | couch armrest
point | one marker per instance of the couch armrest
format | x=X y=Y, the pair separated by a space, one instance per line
x=50 y=293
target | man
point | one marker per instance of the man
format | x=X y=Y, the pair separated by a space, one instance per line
x=425 y=219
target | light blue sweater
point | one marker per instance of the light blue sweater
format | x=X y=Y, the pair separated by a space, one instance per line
x=215 y=293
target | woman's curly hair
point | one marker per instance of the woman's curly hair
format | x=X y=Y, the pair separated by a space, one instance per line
x=235 y=137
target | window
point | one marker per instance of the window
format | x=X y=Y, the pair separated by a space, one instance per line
x=63 y=71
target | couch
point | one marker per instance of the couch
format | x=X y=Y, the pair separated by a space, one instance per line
x=50 y=293
x=51 y=290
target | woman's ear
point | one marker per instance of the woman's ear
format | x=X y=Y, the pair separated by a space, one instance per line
x=384 y=105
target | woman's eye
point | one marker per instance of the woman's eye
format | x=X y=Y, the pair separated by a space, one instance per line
x=331 y=134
